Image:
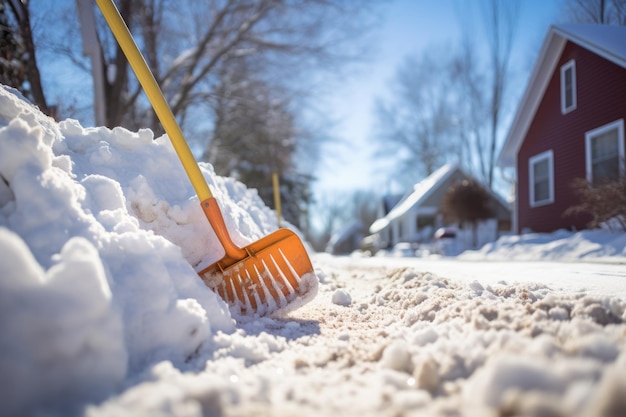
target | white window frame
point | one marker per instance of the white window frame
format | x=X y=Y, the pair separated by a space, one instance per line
x=549 y=155
x=571 y=64
x=592 y=134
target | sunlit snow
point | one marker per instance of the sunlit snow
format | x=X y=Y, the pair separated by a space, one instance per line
x=102 y=312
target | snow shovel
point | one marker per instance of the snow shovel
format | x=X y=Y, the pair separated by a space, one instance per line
x=273 y=273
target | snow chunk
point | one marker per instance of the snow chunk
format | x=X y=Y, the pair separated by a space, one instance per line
x=476 y=287
x=505 y=374
x=609 y=398
x=425 y=336
x=396 y=356
x=22 y=147
x=342 y=297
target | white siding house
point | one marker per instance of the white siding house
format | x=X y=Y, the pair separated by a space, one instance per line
x=417 y=215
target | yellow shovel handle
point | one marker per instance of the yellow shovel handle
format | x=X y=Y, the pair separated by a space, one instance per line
x=150 y=86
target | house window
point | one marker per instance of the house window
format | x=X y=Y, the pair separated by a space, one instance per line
x=568 y=87
x=541 y=179
x=604 y=152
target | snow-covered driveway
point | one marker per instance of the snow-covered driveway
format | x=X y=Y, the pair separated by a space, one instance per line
x=591 y=277
x=388 y=337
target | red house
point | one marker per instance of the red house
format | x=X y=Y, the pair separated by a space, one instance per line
x=569 y=124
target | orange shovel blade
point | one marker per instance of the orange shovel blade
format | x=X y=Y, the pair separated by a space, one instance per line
x=274 y=274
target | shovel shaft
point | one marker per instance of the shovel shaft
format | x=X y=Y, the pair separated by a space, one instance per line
x=216 y=219
x=150 y=86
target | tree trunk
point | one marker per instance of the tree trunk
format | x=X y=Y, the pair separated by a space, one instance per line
x=21 y=12
x=116 y=91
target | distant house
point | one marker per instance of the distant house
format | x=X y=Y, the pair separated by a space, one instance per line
x=416 y=215
x=569 y=124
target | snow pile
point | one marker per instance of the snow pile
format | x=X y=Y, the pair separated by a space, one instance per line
x=100 y=231
x=342 y=298
x=588 y=245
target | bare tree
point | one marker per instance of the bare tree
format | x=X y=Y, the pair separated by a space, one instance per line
x=605 y=12
x=451 y=107
x=19 y=27
x=254 y=136
x=415 y=125
x=217 y=32
x=471 y=108
x=482 y=88
x=501 y=19
x=12 y=53
x=251 y=123
x=185 y=44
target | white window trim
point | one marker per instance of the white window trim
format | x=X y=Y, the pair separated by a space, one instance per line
x=549 y=155
x=569 y=64
x=590 y=135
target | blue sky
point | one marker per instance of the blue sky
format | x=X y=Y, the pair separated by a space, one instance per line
x=408 y=27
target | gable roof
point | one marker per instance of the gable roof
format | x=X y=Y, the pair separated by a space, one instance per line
x=607 y=41
x=420 y=192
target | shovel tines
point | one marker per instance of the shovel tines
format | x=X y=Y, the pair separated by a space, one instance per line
x=268 y=275
x=260 y=284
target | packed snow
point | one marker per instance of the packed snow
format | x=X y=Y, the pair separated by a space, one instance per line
x=102 y=312
x=588 y=245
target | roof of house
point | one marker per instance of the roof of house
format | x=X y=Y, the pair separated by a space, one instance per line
x=607 y=41
x=420 y=192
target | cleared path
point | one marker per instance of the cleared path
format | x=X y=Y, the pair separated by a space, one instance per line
x=593 y=278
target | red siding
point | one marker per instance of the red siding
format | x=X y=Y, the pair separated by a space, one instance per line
x=601 y=99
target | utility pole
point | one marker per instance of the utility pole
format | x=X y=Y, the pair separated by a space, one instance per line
x=92 y=48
